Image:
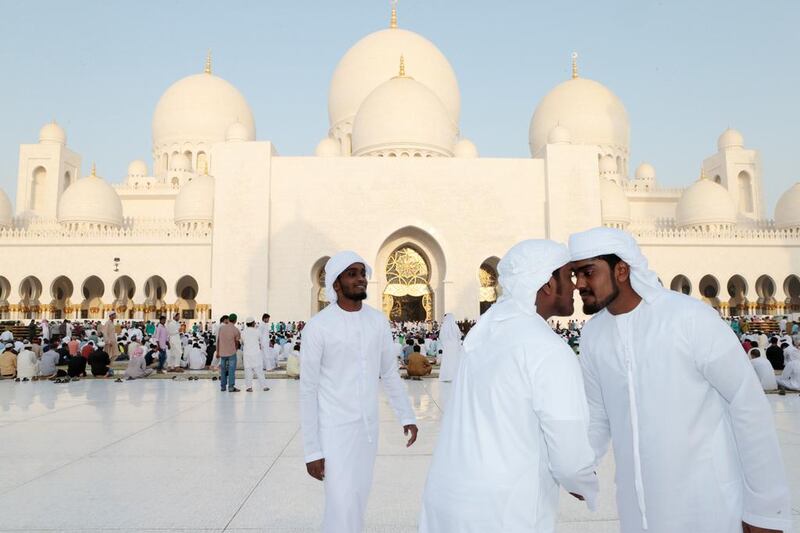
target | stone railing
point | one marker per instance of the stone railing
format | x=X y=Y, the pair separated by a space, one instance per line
x=42 y=231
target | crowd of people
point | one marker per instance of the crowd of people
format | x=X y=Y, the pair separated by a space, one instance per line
x=69 y=350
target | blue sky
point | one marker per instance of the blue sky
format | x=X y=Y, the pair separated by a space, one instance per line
x=685 y=71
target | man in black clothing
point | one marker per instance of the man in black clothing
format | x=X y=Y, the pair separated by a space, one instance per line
x=775 y=354
x=76 y=367
x=100 y=362
x=63 y=354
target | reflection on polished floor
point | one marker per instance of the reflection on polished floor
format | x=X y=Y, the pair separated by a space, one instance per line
x=181 y=456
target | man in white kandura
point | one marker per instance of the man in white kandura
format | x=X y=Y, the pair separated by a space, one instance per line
x=450 y=338
x=175 y=352
x=346 y=352
x=694 y=441
x=515 y=427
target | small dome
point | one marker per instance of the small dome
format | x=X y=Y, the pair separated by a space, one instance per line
x=52 y=133
x=787 y=210
x=200 y=108
x=589 y=110
x=137 y=169
x=6 y=210
x=195 y=201
x=373 y=60
x=403 y=115
x=730 y=138
x=614 y=206
x=237 y=132
x=328 y=147
x=180 y=162
x=705 y=202
x=90 y=200
x=559 y=135
x=465 y=149
x=645 y=171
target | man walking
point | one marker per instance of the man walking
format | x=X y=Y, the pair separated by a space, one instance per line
x=694 y=441
x=161 y=338
x=346 y=352
x=516 y=424
x=228 y=339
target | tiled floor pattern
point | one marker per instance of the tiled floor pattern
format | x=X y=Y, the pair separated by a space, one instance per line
x=160 y=455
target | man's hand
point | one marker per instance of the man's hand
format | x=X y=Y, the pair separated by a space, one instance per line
x=747 y=528
x=413 y=429
x=316 y=469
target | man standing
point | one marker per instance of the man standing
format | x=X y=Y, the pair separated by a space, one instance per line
x=346 y=352
x=174 y=348
x=109 y=333
x=266 y=350
x=516 y=425
x=228 y=339
x=694 y=442
x=161 y=337
x=252 y=355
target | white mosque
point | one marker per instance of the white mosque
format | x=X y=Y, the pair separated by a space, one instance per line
x=224 y=223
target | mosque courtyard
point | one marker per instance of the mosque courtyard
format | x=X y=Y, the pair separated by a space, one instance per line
x=163 y=455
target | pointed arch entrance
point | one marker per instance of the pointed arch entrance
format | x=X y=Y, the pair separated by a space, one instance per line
x=408 y=296
x=410 y=275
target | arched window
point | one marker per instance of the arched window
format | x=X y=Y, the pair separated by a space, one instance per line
x=38 y=189
x=745 y=192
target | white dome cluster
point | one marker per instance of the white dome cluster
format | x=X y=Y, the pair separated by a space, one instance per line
x=403 y=117
x=706 y=205
x=90 y=203
x=373 y=60
x=787 y=210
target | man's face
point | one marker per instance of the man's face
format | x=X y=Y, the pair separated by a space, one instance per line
x=352 y=283
x=162 y=320
x=564 y=303
x=596 y=284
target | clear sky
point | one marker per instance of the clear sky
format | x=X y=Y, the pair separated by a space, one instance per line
x=685 y=70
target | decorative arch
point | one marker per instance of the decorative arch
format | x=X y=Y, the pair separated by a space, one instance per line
x=5 y=292
x=791 y=288
x=319 y=300
x=61 y=291
x=745 y=192
x=187 y=288
x=765 y=289
x=737 y=290
x=155 y=288
x=709 y=290
x=92 y=290
x=408 y=261
x=681 y=283
x=124 y=288
x=38 y=188
x=489 y=286
x=30 y=290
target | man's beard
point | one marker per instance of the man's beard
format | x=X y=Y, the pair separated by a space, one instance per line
x=598 y=306
x=354 y=295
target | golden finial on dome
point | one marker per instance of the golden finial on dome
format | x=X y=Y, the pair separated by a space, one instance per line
x=402 y=73
x=207 y=70
x=393 y=20
x=94 y=169
x=703 y=173
x=574 y=65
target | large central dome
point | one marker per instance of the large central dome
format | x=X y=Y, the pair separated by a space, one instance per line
x=589 y=110
x=373 y=60
x=199 y=108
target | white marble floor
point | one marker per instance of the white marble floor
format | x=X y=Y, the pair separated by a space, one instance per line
x=160 y=455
